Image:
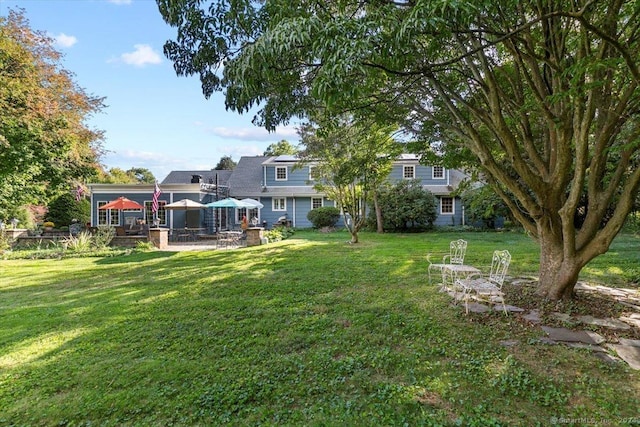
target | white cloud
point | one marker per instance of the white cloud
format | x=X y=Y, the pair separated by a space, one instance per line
x=65 y=41
x=255 y=133
x=141 y=56
x=120 y=1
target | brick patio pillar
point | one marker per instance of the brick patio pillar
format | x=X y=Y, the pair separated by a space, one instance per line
x=159 y=237
x=254 y=236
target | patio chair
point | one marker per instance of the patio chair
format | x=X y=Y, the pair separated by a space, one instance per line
x=486 y=288
x=457 y=251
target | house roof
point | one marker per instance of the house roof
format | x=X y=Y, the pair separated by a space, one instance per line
x=247 y=177
x=208 y=177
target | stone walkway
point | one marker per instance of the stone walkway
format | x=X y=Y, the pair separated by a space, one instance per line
x=622 y=349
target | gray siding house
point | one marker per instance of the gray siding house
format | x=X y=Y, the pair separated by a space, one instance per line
x=284 y=187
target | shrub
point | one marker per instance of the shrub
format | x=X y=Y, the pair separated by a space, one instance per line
x=405 y=206
x=326 y=216
x=278 y=233
x=81 y=242
x=48 y=224
x=65 y=208
x=103 y=237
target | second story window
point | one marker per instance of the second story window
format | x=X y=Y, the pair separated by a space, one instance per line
x=311 y=177
x=281 y=173
x=438 y=172
x=409 y=172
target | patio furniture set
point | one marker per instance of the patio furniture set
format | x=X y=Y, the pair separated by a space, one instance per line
x=468 y=282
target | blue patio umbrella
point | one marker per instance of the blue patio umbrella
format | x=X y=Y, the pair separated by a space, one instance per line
x=230 y=202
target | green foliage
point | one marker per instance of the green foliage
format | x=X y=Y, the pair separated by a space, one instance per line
x=226 y=163
x=350 y=158
x=483 y=206
x=45 y=141
x=325 y=216
x=81 y=243
x=64 y=209
x=103 y=236
x=5 y=241
x=277 y=234
x=280 y=148
x=405 y=205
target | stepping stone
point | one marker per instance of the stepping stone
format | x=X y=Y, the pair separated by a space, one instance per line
x=509 y=343
x=475 y=307
x=563 y=317
x=567 y=335
x=629 y=354
x=632 y=343
x=607 y=358
x=581 y=286
x=533 y=316
x=599 y=339
x=508 y=308
x=607 y=323
x=631 y=320
x=594 y=348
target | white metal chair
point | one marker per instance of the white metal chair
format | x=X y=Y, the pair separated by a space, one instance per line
x=486 y=288
x=457 y=251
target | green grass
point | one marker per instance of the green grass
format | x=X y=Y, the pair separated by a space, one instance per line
x=309 y=330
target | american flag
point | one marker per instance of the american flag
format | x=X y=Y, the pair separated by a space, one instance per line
x=79 y=193
x=156 y=195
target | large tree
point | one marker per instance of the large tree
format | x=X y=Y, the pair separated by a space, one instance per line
x=540 y=96
x=45 y=144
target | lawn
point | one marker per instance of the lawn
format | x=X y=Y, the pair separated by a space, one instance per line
x=307 y=331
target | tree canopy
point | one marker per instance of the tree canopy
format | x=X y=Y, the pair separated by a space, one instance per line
x=225 y=163
x=350 y=160
x=45 y=144
x=280 y=148
x=539 y=97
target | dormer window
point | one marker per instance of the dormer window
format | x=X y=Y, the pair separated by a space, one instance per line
x=281 y=173
x=438 y=172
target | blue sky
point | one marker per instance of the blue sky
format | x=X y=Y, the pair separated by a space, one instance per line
x=153 y=119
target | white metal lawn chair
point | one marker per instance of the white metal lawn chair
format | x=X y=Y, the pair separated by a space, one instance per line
x=457 y=251
x=486 y=288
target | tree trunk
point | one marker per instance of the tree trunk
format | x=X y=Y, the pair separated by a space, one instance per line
x=379 y=226
x=558 y=275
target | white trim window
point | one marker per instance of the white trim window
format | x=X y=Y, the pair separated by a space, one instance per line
x=316 y=202
x=279 y=204
x=408 y=172
x=102 y=215
x=281 y=173
x=311 y=176
x=447 y=206
x=437 y=172
x=162 y=212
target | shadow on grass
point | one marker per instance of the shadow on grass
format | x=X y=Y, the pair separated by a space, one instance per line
x=135 y=257
x=342 y=331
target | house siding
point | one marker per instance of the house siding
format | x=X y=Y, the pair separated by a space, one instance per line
x=255 y=177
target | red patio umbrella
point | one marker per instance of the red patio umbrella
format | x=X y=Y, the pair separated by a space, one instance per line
x=122 y=203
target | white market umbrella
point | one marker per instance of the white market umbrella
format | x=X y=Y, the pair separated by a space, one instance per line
x=184 y=205
x=255 y=203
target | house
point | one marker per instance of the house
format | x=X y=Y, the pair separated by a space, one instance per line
x=280 y=183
